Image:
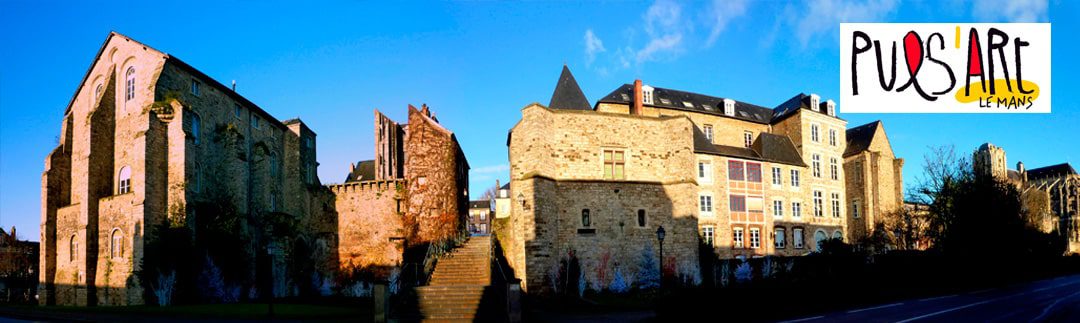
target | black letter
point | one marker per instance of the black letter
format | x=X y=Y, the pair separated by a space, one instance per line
x=1020 y=81
x=952 y=78
x=1000 y=47
x=855 y=51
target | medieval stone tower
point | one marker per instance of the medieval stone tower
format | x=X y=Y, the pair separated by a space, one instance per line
x=990 y=159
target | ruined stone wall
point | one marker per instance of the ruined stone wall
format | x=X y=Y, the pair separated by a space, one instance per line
x=437 y=203
x=370 y=229
x=389 y=148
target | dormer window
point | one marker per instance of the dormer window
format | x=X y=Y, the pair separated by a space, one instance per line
x=729 y=107
x=830 y=106
x=815 y=101
x=647 y=94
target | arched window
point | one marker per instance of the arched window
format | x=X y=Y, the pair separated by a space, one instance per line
x=74 y=248
x=819 y=237
x=196 y=127
x=123 y=182
x=117 y=249
x=97 y=92
x=837 y=235
x=129 y=89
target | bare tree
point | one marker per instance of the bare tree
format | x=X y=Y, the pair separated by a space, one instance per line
x=490 y=193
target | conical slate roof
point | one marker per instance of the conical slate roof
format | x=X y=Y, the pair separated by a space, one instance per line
x=568 y=94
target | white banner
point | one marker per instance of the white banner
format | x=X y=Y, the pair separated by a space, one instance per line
x=945 y=68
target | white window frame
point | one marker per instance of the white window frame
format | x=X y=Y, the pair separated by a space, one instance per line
x=705 y=172
x=729 y=107
x=834 y=169
x=778 y=176
x=835 y=199
x=814 y=135
x=798 y=238
x=779 y=238
x=129 y=84
x=708 y=233
x=819 y=204
x=705 y=204
x=123 y=180
x=748 y=138
x=708 y=132
x=855 y=208
x=832 y=137
x=778 y=208
x=796 y=209
x=755 y=238
x=737 y=237
x=815 y=168
x=795 y=178
x=116 y=246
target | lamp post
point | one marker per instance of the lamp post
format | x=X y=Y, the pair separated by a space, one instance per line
x=660 y=233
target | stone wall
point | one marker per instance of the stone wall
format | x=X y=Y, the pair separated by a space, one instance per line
x=874 y=185
x=436 y=179
x=370 y=229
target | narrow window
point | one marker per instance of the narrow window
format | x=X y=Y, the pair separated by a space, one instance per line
x=641 y=218
x=748 y=139
x=755 y=238
x=796 y=209
x=614 y=164
x=129 y=88
x=855 y=209
x=708 y=133
x=97 y=92
x=818 y=204
x=814 y=133
x=816 y=165
x=777 y=176
x=797 y=237
x=832 y=137
x=778 y=208
x=195 y=88
x=707 y=233
x=705 y=204
x=273 y=203
x=196 y=127
x=254 y=121
x=779 y=238
x=834 y=169
x=237 y=110
x=737 y=237
x=794 y=178
x=123 y=180
x=117 y=249
x=483 y=216
x=835 y=205
x=704 y=172
x=73 y=247
x=586 y=219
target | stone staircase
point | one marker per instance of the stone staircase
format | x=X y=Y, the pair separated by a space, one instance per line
x=458 y=284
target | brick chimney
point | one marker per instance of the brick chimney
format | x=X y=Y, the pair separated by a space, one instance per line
x=635 y=109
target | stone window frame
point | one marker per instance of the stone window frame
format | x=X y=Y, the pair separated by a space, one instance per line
x=116 y=243
x=73 y=248
x=798 y=237
x=123 y=180
x=779 y=237
x=586 y=218
x=708 y=235
x=641 y=218
x=616 y=163
x=129 y=84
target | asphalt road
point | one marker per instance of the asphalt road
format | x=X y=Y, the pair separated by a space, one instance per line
x=1051 y=300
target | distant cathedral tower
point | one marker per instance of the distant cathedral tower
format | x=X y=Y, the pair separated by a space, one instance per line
x=990 y=160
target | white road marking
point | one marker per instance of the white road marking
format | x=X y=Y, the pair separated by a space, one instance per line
x=804 y=319
x=874 y=308
x=1052 y=305
x=946 y=311
x=936 y=298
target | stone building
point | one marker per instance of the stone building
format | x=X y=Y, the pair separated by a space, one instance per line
x=502 y=201
x=480 y=217
x=874 y=180
x=1058 y=185
x=148 y=141
x=598 y=182
x=18 y=268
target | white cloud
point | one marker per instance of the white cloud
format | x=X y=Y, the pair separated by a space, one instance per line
x=824 y=16
x=593 y=45
x=1010 y=10
x=490 y=169
x=720 y=13
x=664 y=25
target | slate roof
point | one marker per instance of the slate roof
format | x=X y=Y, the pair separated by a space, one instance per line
x=1058 y=170
x=568 y=94
x=364 y=171
x=481 y=204
x=859 y=138
x=768 y=147
x=799 y=101
x=688 y=101
x=505 y=186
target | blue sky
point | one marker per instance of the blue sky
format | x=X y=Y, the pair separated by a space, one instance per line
x=478 y=63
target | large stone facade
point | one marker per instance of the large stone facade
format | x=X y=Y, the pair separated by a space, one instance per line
x=874 y=178
x=748 y=180
x=148 y=140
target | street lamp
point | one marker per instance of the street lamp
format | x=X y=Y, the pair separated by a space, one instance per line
x=660 y=233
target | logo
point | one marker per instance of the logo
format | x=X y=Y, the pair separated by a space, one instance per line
x=945 y=68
